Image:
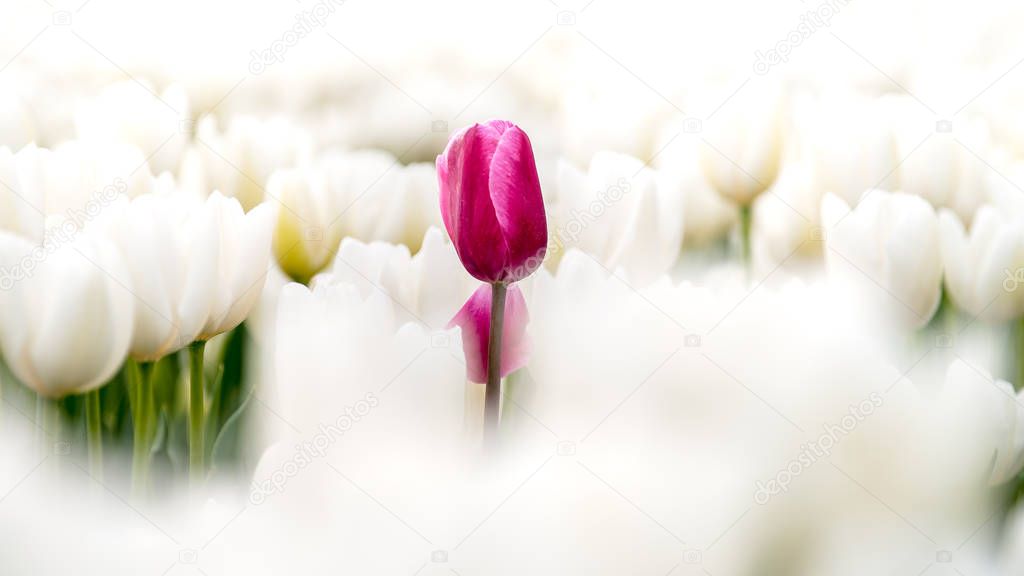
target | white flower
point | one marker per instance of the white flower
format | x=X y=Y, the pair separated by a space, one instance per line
x=429 y=287
x=743 y=144
x=169 y=245
x=991 y=413
x=376 y=198
x=626 y=215
x=128 y=112
x=985 y=269
x=239 y=161
x=75 y=181
x=76 y=173
x=307 y=230
x=66 y=313
x=786 y=221
x=243 y=254
x=886 y=251
x=945 y=168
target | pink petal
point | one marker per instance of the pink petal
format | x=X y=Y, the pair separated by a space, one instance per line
x=466 y=202
x=518 y=204
x=491 y=201
x=475 y=321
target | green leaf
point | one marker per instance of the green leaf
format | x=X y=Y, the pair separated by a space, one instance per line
x=228 y=445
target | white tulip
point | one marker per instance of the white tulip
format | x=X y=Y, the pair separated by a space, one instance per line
x=621 y=212
x=239 y=161
x=886 y=250
x=243 y=254
x=76 y=179
x=786 y=221
x=74 y=182
x=307 y=230
x=945 y=168
x=66 y=313
x=127 y=112
x=429 y=287
x=743 y=144
x=991 y=412
x=169 y=244
x=376 y=198
x=985 y=269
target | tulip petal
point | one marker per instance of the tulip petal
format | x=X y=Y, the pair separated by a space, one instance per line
x=518 y=204
x=472 y=223
x=491 y=202
x=475 y=321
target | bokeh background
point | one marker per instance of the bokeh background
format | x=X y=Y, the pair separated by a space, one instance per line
x=821 y=406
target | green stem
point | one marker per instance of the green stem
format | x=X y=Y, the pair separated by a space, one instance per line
x=142 y=414
x=492 y=394
x=41 y=423
x=92 y=426
x=196 y=413
x=51 y=423
x=746 y=218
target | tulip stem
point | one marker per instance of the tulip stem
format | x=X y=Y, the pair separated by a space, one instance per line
x=41 y=423
x=492 y=394
x=196 y=413
x=141 y=382
x=94 y=434
x=745 y=225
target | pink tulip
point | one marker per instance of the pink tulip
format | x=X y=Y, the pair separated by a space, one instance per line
x=475 y=320
x=491 y=201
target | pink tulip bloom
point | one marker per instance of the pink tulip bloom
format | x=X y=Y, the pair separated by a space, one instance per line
x=475 y=320
x=491 y=201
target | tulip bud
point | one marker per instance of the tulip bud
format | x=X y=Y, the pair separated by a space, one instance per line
x=306 y=236
x=984 y=267
x=170 y=246
x=743 y=144
x=886 y=250
x=244 y=253
x=475 y=321
x=620 y=211
x=67 y=313
x=491 y=201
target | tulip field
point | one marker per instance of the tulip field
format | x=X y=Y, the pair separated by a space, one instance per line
x=546 y=287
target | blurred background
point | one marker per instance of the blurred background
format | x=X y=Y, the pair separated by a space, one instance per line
x=724 y=379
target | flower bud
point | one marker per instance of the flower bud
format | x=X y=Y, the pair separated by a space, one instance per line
x=491 y=201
